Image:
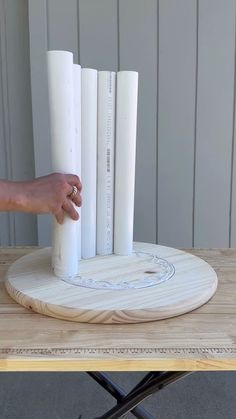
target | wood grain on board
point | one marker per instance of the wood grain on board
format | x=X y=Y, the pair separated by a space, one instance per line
x=31 y=282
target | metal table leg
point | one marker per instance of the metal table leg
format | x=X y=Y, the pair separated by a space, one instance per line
x=151 y=383
x=118 y=393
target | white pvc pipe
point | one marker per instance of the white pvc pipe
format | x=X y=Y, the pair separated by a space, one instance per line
x=61 y=108
x=126 y=121
x=89 y=160
x=77 y=112
x=105 y=160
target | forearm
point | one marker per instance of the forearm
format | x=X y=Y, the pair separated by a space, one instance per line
x=13 y=196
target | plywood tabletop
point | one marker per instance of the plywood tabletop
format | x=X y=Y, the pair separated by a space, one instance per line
x=204 y=339
x=153 y=283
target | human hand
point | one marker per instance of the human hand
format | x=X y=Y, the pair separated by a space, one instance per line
x=50 y=194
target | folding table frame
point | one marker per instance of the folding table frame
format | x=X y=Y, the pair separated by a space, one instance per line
x=151 y=383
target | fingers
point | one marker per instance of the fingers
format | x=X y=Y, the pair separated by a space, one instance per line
x=67 y=207
x=70 y=209
x=60 y=216
x=77 y=200
x=74 y=180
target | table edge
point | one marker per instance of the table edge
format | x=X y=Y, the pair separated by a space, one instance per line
x=70 y=365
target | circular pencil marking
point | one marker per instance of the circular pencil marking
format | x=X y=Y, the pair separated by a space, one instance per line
x=164 y=270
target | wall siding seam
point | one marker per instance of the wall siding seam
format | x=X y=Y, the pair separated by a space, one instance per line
x=47 y=24
x=233 y=142
x=6 y=116
x=78 y=31
x=2 y=85
x=5 y=99
x=3 y=143
x=118 y=35
x=157 y=117
x=195 y=123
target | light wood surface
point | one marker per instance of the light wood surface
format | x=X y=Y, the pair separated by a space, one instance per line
x=204 y=339
x=31 y=282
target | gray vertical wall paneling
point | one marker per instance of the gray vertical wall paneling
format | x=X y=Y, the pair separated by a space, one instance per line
x=19 y=135
x=136 y=48
x=138 y=51
x=98 y=34
x=6 y=238
x=214 y=122
x=62 y=26
x=38 y=48
x=232 y=232
x=20 y=113
x=40 y=110
x=176 y=121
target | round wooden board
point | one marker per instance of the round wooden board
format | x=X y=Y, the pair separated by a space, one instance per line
x=31 y=282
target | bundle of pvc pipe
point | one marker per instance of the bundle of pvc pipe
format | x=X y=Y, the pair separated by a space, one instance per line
x=93 y=134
